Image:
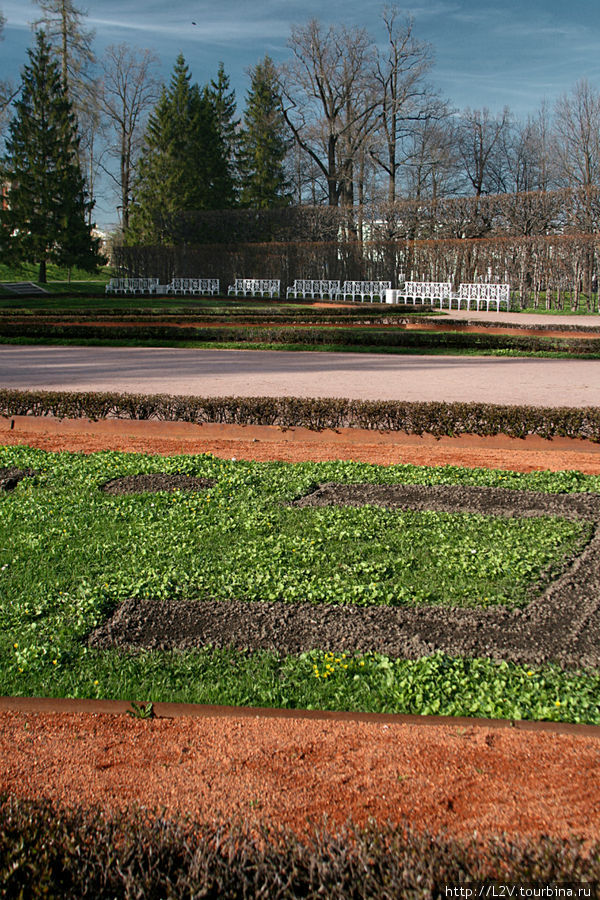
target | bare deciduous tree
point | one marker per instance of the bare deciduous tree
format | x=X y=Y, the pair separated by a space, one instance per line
x=403 y=97
x=329 y=103
x=529 y=159
x=577 y=135
x=128 y=91
x=430 y=162
x=480 y=138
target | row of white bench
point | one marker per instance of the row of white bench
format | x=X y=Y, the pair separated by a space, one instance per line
x=441 y=291
x=199 y=286
x=426 y=292
x=306 y=287
x=255 y=287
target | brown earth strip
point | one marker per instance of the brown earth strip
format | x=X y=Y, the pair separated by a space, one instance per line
x=270 y=443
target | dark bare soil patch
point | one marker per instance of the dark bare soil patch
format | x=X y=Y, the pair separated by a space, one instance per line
x=11 y=476
x=488 y=501
x=561 y=625
x=153 y=482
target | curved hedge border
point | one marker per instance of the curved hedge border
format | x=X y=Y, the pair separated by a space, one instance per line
x=317 y=413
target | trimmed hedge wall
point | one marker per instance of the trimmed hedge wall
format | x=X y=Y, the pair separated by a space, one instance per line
x=279 y=313
x=436 y=418
x=316 y=336
x=49 y=852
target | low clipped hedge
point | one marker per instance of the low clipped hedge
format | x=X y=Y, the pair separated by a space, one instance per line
x=280 y=314
x=412 y=417
x=50 y=852
x=348 y=337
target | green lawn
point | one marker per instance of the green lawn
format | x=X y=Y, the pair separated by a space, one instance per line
x=69 y=554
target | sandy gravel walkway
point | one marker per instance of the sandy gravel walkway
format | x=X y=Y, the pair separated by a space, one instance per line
x=537 y=382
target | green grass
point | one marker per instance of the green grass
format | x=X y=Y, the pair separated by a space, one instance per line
x=54 y=273
x=69 y=554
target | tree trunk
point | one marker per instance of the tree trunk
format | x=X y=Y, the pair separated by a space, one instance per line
x=42 y=271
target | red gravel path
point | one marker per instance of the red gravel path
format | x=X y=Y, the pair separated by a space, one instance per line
x=294 y=772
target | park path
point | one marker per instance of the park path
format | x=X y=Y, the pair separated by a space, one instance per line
x=363 y=376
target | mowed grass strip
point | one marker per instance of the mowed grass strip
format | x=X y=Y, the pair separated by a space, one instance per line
x=69 y=555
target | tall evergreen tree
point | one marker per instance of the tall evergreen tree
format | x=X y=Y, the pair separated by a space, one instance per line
x=222 y=97
x=183 y=166
x=263 y=141
x=47 y=200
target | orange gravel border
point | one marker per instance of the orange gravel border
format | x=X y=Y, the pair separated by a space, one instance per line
x=271 y=443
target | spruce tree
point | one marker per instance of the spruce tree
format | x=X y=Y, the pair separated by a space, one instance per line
x=47 y=201
x=221 y=96
x=263 y=141
x=183 y=166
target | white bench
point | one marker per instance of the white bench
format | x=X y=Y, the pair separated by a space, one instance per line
x=423 y=292
x=307 y=287
x=362 y=289
x=200 y=286
x=478 y=294
x=131 y=286
x=255 y=287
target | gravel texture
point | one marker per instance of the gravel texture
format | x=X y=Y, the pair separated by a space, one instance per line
x=560 y=625
x=10 y=476
x=512 y=381
x=154 y=482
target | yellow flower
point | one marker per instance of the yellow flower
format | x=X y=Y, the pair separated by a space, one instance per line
x=54 y=662
x=96 y=682
x=557 y=703
x=15 y=646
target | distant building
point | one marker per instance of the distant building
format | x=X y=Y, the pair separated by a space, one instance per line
x=4 y=191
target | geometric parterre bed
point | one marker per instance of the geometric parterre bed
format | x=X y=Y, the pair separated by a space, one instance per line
x=561 y=624
x=485 y=566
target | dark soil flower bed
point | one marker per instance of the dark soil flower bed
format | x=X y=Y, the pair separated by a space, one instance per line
x=560 y=625
x=11 y=476
x=489 y=501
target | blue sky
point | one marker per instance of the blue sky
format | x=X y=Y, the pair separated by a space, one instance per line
x=516 y=52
